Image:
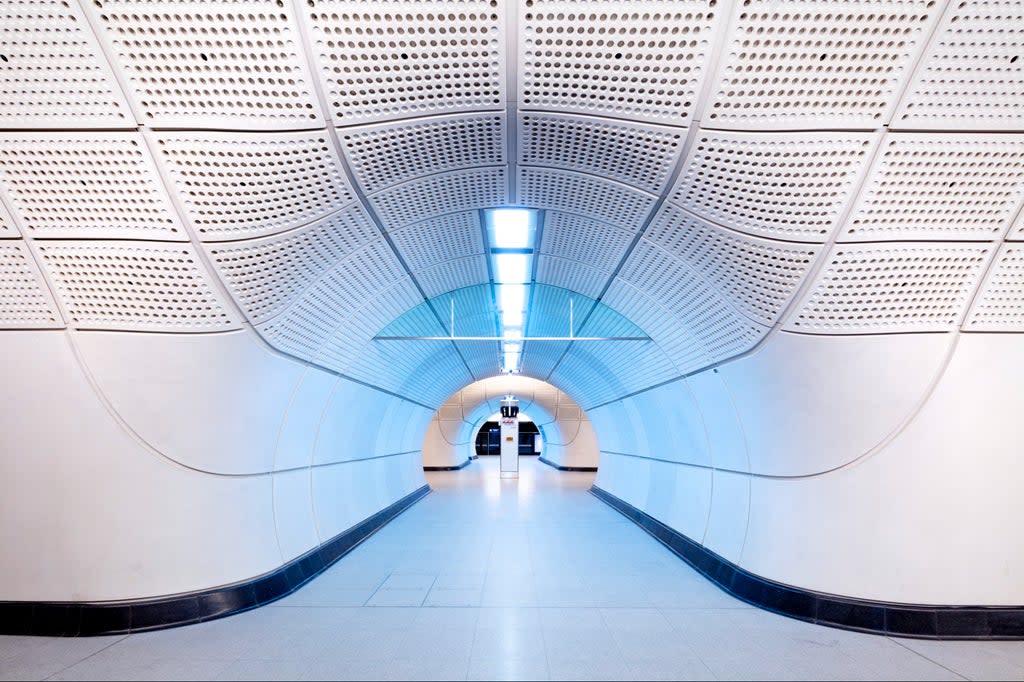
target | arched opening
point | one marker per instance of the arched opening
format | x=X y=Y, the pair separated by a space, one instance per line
x=553 y=427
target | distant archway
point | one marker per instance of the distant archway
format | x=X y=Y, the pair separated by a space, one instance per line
x=569 y=439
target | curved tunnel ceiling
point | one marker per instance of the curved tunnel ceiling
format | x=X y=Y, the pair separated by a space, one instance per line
x=709 y=173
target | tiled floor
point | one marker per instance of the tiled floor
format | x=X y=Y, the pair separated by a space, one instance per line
x=507 y=579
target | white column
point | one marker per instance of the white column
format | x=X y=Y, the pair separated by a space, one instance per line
x=509 y=438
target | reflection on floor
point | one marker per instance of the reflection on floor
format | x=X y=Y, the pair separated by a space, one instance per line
x=507 y=579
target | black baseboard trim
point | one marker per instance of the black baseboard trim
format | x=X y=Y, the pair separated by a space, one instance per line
x=79 y=619
x=884 y=618
x=455 y=468
x=562 y=468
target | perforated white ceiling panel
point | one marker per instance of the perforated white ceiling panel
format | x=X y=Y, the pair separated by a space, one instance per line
x=706 y=174
x=53 y=73
x=970 y=76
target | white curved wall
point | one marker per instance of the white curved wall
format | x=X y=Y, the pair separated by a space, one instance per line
x=569 y=438
x=826 y=242
x=877 y=467
x=147 y=464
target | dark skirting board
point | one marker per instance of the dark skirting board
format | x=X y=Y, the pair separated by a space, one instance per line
x=454 y=468
x=75 y=619
x=562 y=468
x=883 y=618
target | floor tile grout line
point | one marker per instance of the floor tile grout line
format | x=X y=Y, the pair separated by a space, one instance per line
x=98 y=651
x=918 y=653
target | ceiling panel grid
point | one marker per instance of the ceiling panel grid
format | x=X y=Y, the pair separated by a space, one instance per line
x=482 y=357
x=642 y=60
x=891 y=287
x=331 y=303
x=381 y=156
x=244 y=185
x=54 y=75
x=424 y=371
x=704 y=313
x=355 y=329
x=660 y=323
x=641 y=156
x=135 y=286
x=572 y=275
x=451 y=275
x=437 y=195
x=940 y=187
x=86 y=184
x=791 y=64
x=266 y=275
x=585 y=195
x=999 y=305
x=388 y=59
x=758 y=276
x=600 y=245
x=603 y=372
x=791 y=186
x=25 y=300
x=447 y=237
x=971 y=76
x=233 y=64
x=541 y=357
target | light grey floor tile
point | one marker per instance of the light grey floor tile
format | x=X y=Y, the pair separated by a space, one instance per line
x=398 y=597
x=528 y=579
x=973 y=660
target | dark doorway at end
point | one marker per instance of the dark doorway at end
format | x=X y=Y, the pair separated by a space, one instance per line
x=488 y=439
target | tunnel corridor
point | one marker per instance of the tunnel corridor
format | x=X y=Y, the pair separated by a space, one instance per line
x=266 y=265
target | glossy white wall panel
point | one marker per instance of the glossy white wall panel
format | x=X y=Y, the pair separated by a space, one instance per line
x=438 y=451
x=679 y=496
x=929 y=519
x=625 y=477
x=302 y=419
x=727 y=517
x=344 y=494
x=809 y=404
x=152 y=527
x=293 y=513
x=725 y=434
x=211 y=402
x=339 y=438
x=672 y=421
x=581 y=448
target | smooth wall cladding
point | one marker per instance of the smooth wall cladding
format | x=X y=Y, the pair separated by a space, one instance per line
x=210 y=209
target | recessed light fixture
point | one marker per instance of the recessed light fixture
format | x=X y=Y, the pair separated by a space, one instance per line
x=511 y=233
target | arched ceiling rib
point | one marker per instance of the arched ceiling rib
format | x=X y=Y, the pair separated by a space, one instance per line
x=709 y=172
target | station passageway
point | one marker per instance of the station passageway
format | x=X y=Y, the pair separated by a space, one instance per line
x=487 y=578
